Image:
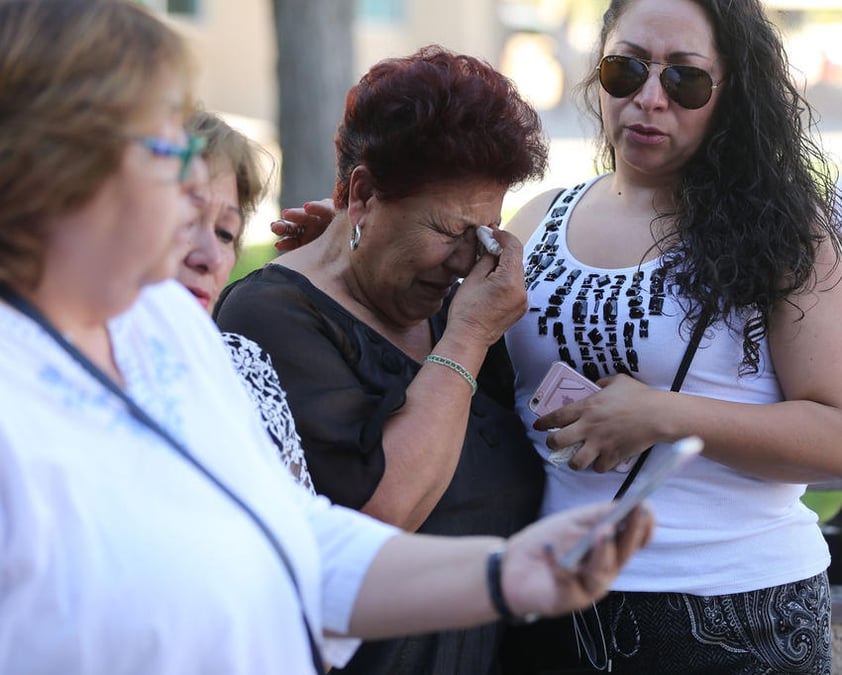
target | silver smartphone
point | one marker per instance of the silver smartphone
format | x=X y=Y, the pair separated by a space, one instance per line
x=661 y=466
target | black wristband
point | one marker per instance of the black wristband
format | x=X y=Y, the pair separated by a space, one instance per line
x=494 y=580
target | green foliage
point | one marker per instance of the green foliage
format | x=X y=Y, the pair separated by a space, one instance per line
x=251 y=257
x=825 y=503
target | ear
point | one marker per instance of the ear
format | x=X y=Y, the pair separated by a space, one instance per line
x=360 y=193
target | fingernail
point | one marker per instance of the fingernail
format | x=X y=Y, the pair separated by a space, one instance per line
x=535 y=425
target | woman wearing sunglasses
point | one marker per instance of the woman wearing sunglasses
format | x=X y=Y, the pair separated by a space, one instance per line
x=715 y=211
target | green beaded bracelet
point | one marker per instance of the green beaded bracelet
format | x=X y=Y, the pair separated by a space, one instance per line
x=456 y=367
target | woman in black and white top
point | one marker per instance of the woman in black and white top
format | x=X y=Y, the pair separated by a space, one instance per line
x=236 y=185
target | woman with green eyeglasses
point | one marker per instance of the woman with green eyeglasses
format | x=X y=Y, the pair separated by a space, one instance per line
x=146 y=526
x=184 y=152
x=715 y=211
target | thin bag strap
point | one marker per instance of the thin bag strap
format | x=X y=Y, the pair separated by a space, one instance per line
x=678 y=380
x=25 y=307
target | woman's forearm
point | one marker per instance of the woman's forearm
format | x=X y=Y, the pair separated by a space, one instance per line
x=420 y=583
x=423 y=440
x=790 y=441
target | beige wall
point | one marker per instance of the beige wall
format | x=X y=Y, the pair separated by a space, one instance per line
x=462 y=25
x=235 y=51
x=234 y=43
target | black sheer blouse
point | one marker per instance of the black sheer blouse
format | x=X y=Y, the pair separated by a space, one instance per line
x=343 y=380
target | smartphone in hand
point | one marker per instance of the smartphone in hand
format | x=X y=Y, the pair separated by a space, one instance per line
x=661 y=467
x=561 y=386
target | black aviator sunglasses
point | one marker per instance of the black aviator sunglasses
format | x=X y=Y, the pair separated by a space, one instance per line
x=688 y=86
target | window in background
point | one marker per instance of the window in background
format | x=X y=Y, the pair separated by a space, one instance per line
x=381 y=11
x=184 y=7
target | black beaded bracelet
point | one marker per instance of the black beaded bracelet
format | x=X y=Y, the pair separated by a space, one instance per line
x=494 y=568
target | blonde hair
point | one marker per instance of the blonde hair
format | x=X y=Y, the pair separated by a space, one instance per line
x=245 y=157
x=73 y=75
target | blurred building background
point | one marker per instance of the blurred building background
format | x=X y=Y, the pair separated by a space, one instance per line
x=544 y=45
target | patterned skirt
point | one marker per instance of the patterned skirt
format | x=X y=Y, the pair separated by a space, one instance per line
x=782 y=629
x=779 y=630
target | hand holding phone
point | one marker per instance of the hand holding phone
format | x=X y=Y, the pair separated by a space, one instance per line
x=561 y=386
x=661 y=467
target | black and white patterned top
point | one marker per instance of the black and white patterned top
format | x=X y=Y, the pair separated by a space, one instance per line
x=630 y=320
x=256 y=370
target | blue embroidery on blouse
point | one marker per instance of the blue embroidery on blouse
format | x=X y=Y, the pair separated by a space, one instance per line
x=158 y=394
x=166 y=373
x=80 y=399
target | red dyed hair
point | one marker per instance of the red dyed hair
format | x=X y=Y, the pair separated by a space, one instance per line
x=436 y=116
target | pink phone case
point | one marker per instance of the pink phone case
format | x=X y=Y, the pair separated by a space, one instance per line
x=563 y=385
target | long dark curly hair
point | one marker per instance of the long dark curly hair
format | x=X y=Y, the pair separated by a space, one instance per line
x=759 y=195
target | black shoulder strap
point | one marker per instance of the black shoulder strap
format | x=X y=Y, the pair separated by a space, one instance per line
x=678 y=380
x=25 y=307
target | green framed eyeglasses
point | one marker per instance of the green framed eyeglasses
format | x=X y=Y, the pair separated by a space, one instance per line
x=163 y=148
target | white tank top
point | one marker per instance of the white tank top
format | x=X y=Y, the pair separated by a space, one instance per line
x=718 y=531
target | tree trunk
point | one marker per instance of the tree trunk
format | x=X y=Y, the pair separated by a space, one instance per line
x=315 y=69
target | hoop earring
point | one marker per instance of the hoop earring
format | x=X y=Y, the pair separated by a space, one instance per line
x=355 y=237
